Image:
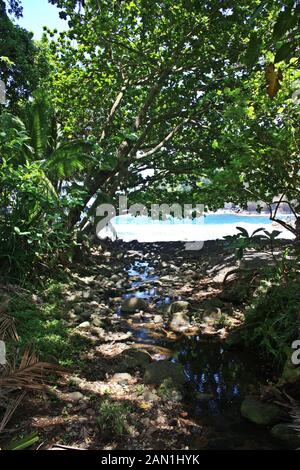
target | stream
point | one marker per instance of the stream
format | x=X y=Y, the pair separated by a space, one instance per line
x=217 y=379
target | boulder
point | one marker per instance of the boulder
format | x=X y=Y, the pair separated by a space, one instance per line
x=285 y=433
x=180 y=322
x=157 y=372
x=134 y=304
x=121 y=378
x=132 y=359
x=291 y=372
x=259 y=412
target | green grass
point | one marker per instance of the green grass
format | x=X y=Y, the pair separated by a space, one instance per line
x=44 y=326
x=112 y=417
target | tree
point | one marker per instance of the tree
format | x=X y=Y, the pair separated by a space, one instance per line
x=21 y=64
x=139 y=79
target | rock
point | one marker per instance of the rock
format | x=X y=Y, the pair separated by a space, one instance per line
x=237 y=294
x=78 y=309
x=164 y=308
x=285 y=433
x=180 y=322
x=260 y=412
x=291 y=372
x=210 y=317
x=84 y=326
x=74 y=380
x=158 y=319
x=204 y=396
x=132 y=359
x=149 y=396
x=121 y=378
x=157 y=372
x=96 y=321
x=133 y=304
x=85 y=315
x=74 y=396
x=179 y=306
x=212 y=303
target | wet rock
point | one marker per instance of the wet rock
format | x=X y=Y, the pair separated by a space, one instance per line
x=211 y=317
x=158 y=319
x=133 y=359
x=285 y=433
x=259 y=412
x=180 y=322
x=164 y=309
x=157 y=372
x=204 y=396
x=179 y=306
x=133 y=304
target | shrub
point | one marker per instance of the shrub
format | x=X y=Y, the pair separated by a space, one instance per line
x=113 y=417
x=272 y=320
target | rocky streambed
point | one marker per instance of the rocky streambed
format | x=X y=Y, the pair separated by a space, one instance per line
x=160 y=324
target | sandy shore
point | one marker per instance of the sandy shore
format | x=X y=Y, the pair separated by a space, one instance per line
x=186 y=232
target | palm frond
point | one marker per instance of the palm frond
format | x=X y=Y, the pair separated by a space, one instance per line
x=11 y=408
x=29 y=375
x=7 y=327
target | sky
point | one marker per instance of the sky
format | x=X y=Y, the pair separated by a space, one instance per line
x=39 y=13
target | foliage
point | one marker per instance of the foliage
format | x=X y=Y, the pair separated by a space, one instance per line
x=46 y=324
x=243 y=241
x=146 y=74
x=272 y=319
x=22 y=65
x=35 y=165
x=19 y=372
x=112 y=417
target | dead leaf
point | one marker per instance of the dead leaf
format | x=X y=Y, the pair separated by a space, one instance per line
x=273 y=78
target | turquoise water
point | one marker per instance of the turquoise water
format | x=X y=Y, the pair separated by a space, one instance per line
x=211 y=219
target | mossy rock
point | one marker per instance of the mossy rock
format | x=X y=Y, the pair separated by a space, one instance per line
x=285 y=433
x=261 y=413
x=134 y=304
x=179 y=306
x=291 y=372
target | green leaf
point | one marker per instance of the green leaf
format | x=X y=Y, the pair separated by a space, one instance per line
x=253 y=51
x=243 y=231
x=285 y=52
x=285 y=21
x=24 y=443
